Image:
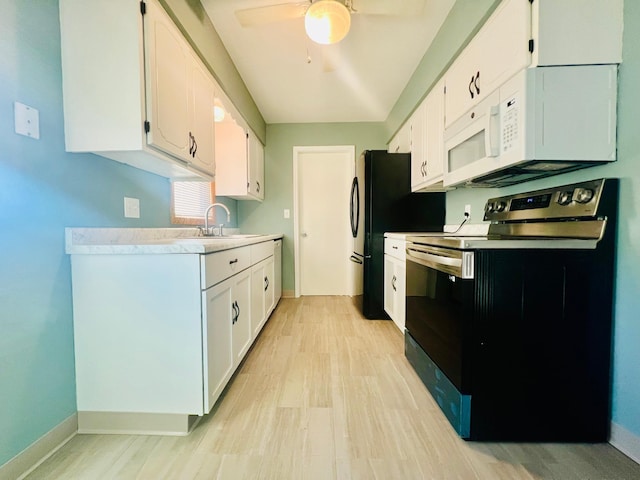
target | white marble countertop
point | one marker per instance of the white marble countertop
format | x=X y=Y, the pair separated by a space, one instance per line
x=142 y=241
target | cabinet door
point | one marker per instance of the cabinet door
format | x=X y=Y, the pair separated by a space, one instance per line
x=460 y=82
x=241 y=315
x=390 y=286
x=255 y=183
x=269 y=286
x=201 y=132
x=503 y=45
x=258 y=307
x=167 y=83
x=231 y=159
x=394 y=290
x=434 y=135
x=401 y=142
x=400 y=293
x=217 y=355
x=418 y=160
x=277 y=267
x=498 y=51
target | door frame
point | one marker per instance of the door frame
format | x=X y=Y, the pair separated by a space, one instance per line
x=349 y=150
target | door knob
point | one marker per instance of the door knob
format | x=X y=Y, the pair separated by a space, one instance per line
x=304 y=234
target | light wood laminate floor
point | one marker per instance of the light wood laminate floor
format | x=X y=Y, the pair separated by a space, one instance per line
x=326 y=394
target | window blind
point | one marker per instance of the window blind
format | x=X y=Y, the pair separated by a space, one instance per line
x=191 y=199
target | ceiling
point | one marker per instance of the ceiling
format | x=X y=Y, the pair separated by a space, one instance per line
x=294 y=80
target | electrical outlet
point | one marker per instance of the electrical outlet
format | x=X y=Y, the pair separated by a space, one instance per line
x=467 y=210
x=27 y=120
x=131 y=207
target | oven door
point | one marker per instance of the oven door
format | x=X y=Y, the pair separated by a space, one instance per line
x=439 y=307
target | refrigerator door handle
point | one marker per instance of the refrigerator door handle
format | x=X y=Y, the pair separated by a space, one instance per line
x=354 y=211
x=355 y=259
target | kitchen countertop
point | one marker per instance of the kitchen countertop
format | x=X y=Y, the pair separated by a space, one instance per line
x=141 y=241
x=466 y=230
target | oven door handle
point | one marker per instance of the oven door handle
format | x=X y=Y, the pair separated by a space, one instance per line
x=460 y=265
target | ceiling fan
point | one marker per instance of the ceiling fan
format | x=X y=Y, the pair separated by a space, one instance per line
x=326 y=21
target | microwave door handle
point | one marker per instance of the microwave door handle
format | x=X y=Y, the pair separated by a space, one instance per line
x=491 y=146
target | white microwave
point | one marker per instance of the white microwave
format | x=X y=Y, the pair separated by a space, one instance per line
x=543 y=121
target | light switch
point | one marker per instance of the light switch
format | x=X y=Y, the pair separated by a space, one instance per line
x=27 y=120
x=131 y=207
x=287 y=213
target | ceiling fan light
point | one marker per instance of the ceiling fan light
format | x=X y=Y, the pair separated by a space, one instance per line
x=327 y=21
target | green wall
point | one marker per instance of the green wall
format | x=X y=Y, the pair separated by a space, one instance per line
x=267 y=216
x=43 y=189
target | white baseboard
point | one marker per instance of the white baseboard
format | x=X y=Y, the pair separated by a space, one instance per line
x=625 y=441
x=136 y=423
x=36 y=453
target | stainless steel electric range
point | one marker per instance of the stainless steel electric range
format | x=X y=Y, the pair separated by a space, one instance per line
x=511 y=332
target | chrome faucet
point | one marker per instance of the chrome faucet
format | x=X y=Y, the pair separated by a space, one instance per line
x=206 y=217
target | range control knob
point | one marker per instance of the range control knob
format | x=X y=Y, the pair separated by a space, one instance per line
x=500 y=206
x=565 y=198
x=489 y=207
x=583 y=195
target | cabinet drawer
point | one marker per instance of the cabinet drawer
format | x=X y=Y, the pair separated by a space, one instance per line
x=221 y=265
x=260 y=251
x=395 y=248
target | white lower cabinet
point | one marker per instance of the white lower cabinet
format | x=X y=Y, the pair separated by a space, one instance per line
x=277 y=274
x=226 y=333
x=217 y=346
x=157 y=337
x=240 y=315
x=262 y=293
x=395 y=281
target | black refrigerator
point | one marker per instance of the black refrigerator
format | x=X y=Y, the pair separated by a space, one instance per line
x=381 y=201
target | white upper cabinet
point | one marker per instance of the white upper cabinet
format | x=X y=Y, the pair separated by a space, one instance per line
x=201 y=106
x=417 y=127
x=256 y=167
x=239 y=161
x=542 y=33
x=156 y=116
x=401 y=142
x=167 y=84
x=498 y=51
x=427 y=159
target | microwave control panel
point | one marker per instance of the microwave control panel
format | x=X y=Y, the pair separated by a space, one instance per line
x=509 y=112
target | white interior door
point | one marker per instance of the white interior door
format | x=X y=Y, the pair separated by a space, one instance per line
x=323 y=241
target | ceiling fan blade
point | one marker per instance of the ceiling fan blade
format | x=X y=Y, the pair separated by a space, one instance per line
x=251 y=17
x=385 y=7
